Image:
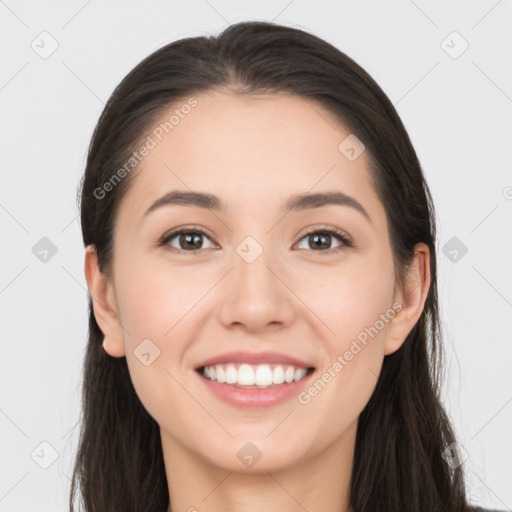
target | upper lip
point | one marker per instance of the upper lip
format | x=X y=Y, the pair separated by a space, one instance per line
x=254 y=358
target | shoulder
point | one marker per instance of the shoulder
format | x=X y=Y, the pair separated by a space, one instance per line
x=480 y=509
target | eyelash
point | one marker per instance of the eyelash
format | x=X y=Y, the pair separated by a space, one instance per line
x=345 y=239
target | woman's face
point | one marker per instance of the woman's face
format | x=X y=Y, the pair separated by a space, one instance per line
x=255 y=282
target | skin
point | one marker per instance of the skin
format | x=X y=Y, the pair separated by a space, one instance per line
x=254 y=153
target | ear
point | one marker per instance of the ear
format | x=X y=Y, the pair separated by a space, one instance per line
x=104 y=304
x=411 y=297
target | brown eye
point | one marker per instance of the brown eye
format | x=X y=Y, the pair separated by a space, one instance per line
x=320 y=240
x=186 y=240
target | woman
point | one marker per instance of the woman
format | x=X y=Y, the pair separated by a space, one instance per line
x=263 y=312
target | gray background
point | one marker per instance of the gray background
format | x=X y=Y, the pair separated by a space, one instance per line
x=457 y=108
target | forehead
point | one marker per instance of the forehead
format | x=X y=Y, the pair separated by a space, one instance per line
x=258 y=148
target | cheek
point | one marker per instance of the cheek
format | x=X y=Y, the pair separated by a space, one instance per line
x=356 y=304
x=350 y=297
x=153 y=298
x=156 y=314
x=156 y=304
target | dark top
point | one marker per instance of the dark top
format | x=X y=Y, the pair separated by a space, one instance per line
x=474 y=508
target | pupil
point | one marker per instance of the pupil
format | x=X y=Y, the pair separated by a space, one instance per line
x=316 y=237
x=186 y=237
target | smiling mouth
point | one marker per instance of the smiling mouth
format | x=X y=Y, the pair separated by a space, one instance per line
x=254 y=376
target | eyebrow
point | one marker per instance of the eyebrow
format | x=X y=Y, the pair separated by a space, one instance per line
x=295 y=203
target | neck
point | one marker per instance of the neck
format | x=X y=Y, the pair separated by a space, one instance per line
x=316 y=482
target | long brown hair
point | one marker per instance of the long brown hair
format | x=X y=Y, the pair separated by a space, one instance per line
x=404 y=431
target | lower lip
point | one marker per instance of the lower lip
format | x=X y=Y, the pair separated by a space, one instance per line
x=254 y=397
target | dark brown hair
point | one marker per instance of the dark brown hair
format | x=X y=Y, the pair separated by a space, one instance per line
x=403 y=430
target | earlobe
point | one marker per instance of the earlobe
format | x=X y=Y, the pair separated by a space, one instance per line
x=411 y=299
x=104 y=304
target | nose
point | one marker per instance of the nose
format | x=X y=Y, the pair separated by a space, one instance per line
x=256 y=295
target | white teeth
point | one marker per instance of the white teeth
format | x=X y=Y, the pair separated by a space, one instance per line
x=246 y=375
x=299 y=373
x=255 y=376
x=263 y=375
x=289 y=374
x=278 y=375
x=231 y=374
x=219 y=371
